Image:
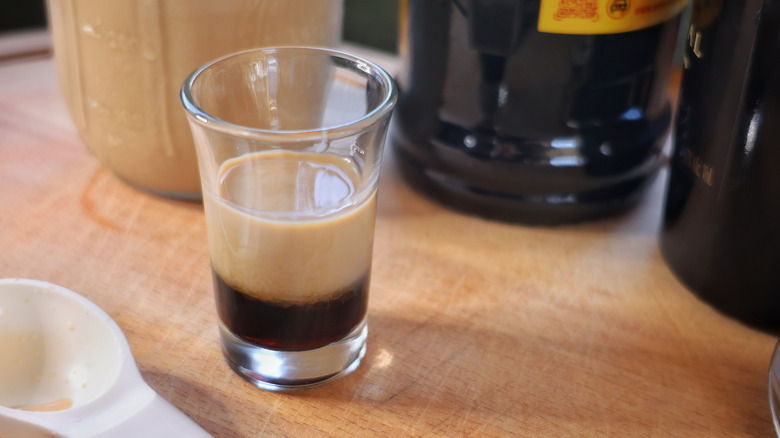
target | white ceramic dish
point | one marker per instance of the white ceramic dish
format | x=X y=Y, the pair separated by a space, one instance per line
x=60 y=351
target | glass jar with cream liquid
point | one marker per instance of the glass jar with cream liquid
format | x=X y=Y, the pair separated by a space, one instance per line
x=121 y=64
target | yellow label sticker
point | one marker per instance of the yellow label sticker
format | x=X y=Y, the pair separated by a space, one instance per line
x=589 y=17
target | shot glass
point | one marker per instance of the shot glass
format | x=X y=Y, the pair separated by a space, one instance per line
x=289 y=144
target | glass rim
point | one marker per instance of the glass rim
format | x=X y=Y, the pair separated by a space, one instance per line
x=352 y=127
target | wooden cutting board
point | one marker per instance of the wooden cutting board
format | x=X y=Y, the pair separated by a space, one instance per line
x=477 y=328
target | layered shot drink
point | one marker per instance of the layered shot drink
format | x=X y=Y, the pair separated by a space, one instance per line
x=291 y=248
x=289 y=146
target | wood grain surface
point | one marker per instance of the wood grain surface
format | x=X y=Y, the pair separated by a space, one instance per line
x=477 y=328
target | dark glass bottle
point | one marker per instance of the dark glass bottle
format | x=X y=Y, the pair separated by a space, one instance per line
x=502 y=120
x=721 y=232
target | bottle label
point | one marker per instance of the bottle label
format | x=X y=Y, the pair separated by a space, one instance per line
x=589 y=17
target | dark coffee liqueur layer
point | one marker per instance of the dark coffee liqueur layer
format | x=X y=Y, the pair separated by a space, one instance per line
x=291 y=327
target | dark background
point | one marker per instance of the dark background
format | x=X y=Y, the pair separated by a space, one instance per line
x=372 y=23
x=21 y=14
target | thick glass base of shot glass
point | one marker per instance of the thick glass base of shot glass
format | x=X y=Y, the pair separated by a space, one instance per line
x=276 y=370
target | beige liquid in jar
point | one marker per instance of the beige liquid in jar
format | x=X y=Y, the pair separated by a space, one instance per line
x=291 y=231
x=121 y=64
